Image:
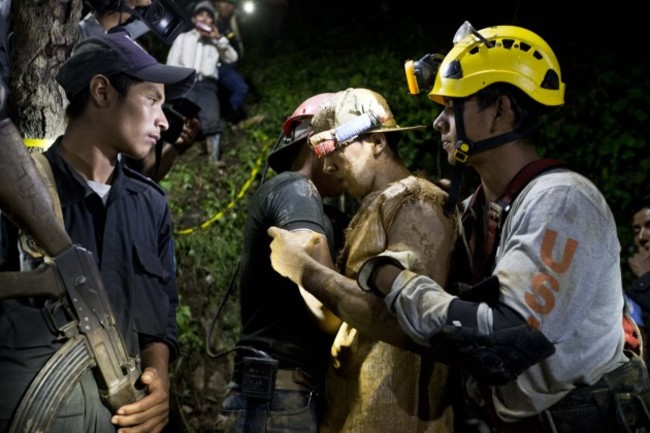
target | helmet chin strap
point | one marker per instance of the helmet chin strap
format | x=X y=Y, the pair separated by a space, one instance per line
x=465 y=147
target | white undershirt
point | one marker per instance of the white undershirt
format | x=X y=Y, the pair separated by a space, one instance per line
x=101 y=189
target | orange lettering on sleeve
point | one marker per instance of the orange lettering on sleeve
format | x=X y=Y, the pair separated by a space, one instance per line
x=548 y=244
x=542 y=300
x=533 y=322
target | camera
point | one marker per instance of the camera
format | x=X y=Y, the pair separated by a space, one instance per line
x=163 y=17
x=176 y=112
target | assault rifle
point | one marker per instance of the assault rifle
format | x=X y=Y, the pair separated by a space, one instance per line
x=70 y=276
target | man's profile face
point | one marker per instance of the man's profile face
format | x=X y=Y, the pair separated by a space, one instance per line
x=477 y=125
x=641 y=227
x=138 y=119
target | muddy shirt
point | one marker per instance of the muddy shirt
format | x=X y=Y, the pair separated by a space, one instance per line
x=372 y=386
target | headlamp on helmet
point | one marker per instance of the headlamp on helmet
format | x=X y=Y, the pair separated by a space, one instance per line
x=349 y=114
x=327 y=141
x=421 y=74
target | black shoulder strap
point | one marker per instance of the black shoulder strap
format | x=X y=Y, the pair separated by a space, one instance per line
x=524 y=176
x=498 y=211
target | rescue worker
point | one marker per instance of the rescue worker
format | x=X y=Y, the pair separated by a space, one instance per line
x=537 y=329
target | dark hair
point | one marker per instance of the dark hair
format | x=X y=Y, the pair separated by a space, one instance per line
x=526 y=109
x=392 y=139
x=121 y=82
x=639 y=206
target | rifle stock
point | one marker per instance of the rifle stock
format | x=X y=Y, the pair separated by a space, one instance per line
x=71 y=274
x=23 y=195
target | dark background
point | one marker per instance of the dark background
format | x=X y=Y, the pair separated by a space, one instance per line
x=571 y=30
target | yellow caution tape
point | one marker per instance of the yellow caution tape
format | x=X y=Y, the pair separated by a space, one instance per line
x=41 y=143
x=258 y=165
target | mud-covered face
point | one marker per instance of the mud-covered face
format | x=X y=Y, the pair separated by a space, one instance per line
x=352 y=167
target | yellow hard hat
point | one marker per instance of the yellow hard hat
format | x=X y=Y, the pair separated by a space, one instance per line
x=499 y=54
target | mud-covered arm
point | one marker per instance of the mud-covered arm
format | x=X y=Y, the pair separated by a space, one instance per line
x=292 y=257
x=362 y=310
x=326 y=320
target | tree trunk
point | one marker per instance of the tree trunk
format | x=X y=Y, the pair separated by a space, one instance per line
x=44 y=33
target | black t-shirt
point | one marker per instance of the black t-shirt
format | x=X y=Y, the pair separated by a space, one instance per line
x=274 y=316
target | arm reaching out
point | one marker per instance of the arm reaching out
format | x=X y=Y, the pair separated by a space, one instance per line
x=292 y=255
x=292 y=252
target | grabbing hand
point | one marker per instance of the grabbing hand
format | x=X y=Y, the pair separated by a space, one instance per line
x=149 y=415
x=291 y=251
x=640 y=262
x=191 y=127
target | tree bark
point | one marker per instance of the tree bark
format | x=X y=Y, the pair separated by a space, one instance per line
x=44 y=33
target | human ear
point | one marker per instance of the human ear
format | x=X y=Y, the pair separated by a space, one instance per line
x=99 y=89
x=503 y=113
x=378 y=143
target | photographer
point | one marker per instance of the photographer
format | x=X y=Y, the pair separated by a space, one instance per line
x=204 y=48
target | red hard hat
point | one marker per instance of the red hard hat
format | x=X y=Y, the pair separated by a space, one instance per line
x=308 y=108
x=296 y=129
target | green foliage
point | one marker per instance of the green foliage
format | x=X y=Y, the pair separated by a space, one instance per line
x=189 y=339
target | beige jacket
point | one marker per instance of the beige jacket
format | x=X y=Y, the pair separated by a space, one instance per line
x=372 y=386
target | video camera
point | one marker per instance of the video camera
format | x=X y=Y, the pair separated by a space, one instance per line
x=163 y=17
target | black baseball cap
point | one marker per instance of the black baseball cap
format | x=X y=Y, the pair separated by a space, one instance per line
x=114 y=53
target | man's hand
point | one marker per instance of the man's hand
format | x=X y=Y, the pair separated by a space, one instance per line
x=640 y=262
x=291 y=251
x=191 y=127
x=149 y=415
